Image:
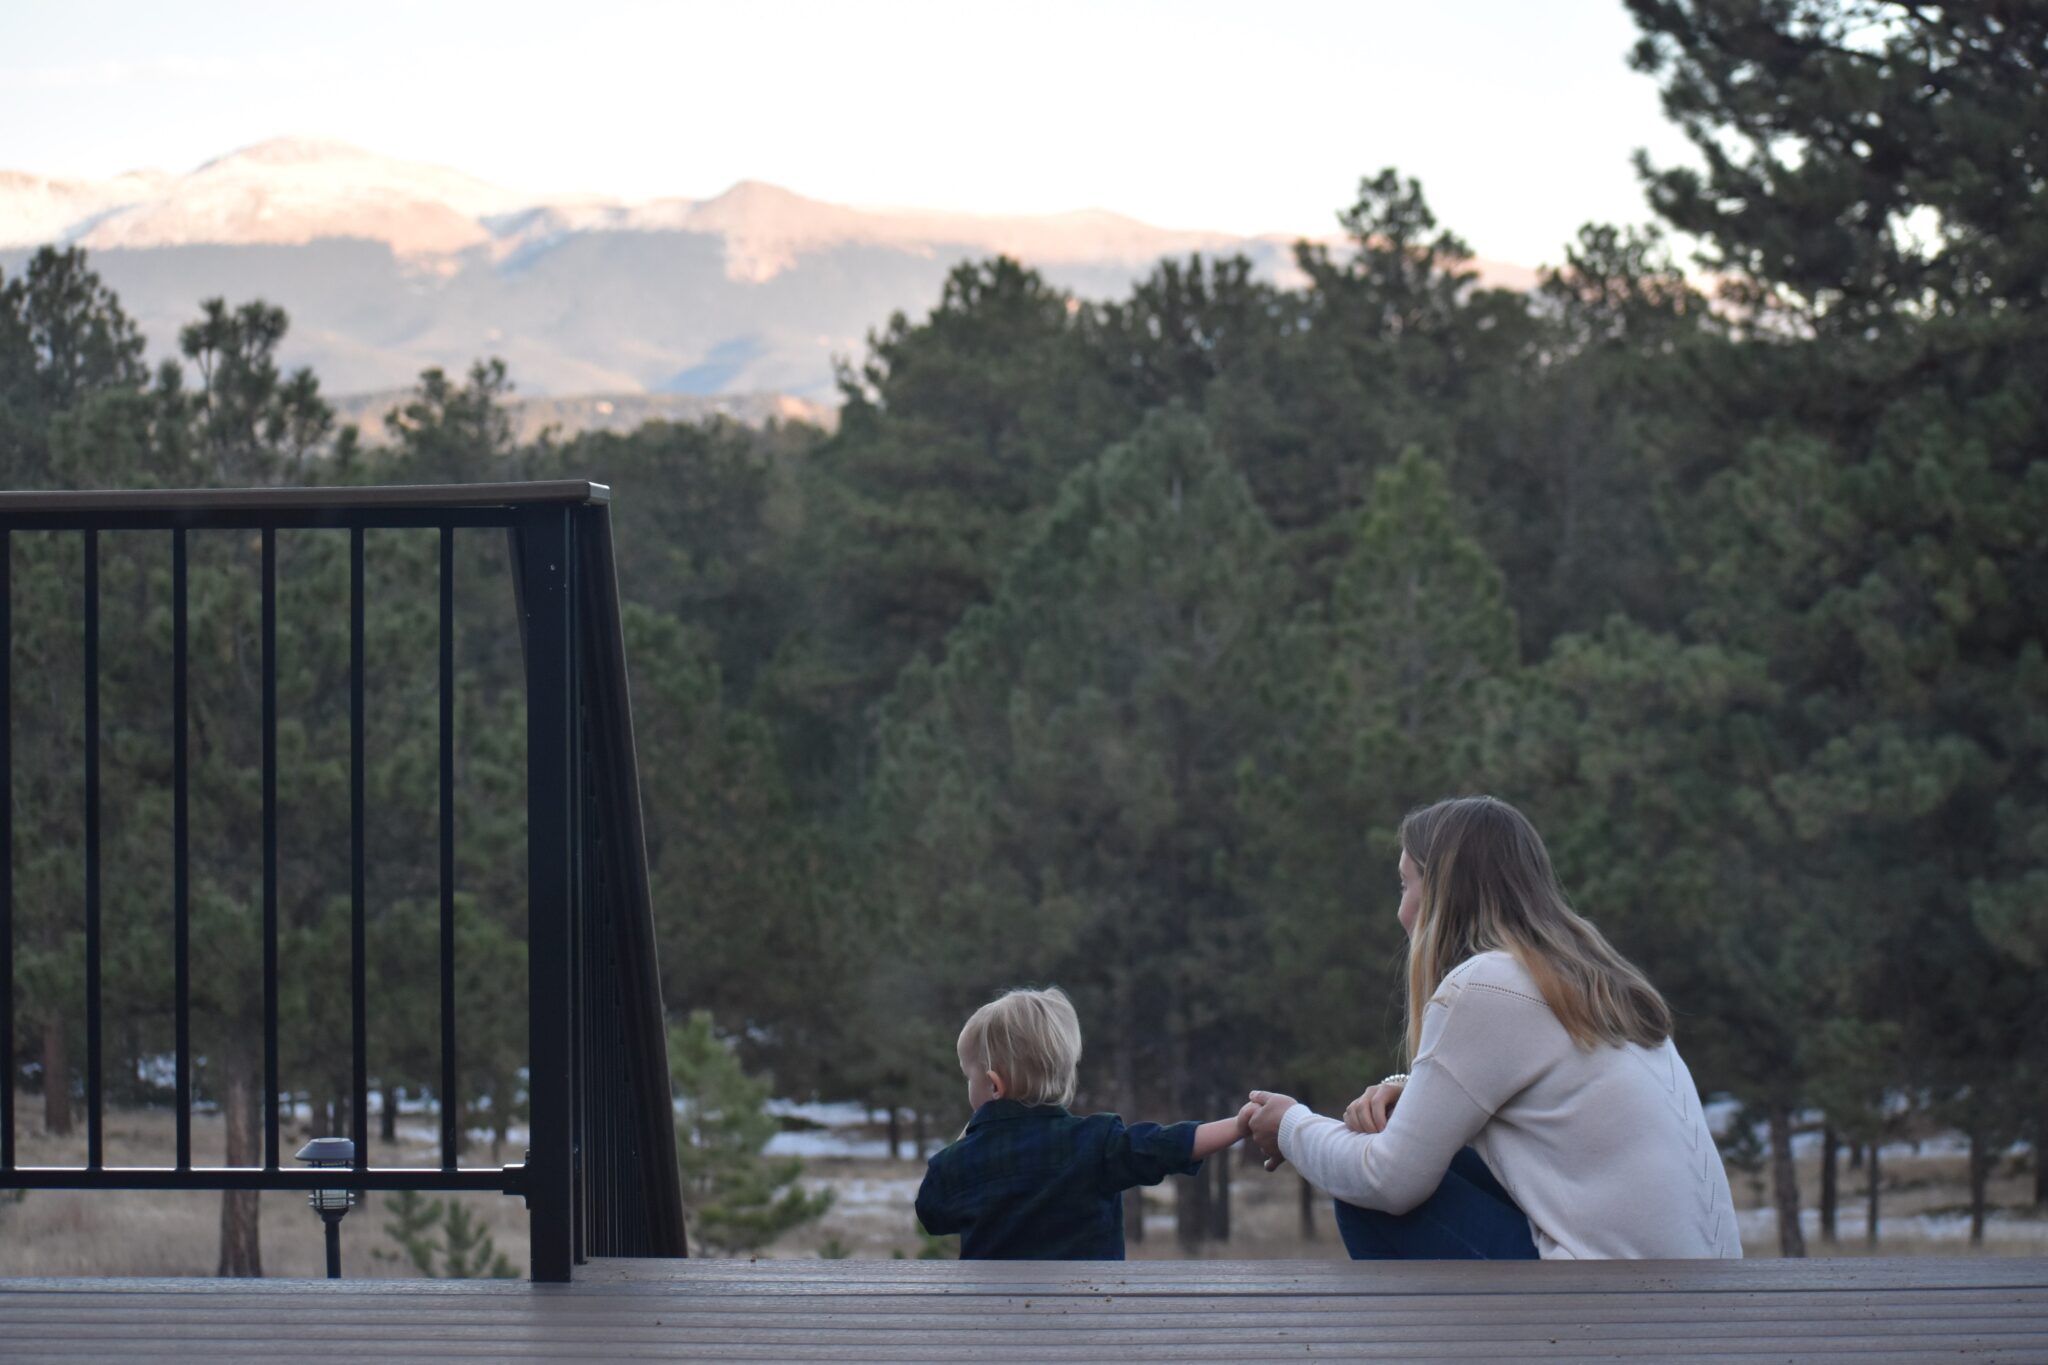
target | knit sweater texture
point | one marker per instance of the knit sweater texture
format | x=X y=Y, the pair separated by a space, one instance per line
x=1605 y=1148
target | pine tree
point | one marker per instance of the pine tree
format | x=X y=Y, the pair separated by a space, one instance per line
x=1873 y=177
x=742 y=887
x=426 y=1229
x=1374 y=717
x=1057 y=799
x=64 y=341
x=952 y=431
x=414 y=1218
x=468 y=1250
x=738 y=1199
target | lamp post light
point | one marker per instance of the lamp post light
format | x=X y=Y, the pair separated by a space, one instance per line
x=331 y=1153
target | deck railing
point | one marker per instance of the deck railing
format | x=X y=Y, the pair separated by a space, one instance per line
x=600 y=1177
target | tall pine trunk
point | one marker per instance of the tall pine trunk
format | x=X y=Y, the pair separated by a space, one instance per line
x=56 y=1078
x=1125 y=1068
x=1870 y=1190
x=1190 y=1195
x=241 y=1248
x=895 y=1130
x=1828 y=1184
x=319 y=1114
x=1980 y=1175
x=2041 y=1157
x=1190 y=1212
x=1785 y=1183
x=387 y=1121
x=1219 y=1195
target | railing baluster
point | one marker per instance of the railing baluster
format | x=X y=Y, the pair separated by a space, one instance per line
x=358 y=947
x=181 y=886
x=544 y=578
x=451 y=1106
x=271 y=1153
x=95 y=1133
x=579 y=1037
x=6 y=850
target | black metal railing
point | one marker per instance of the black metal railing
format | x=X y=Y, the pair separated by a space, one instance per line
x=600 y=1177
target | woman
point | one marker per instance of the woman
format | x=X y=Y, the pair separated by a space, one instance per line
x=1546 y=1111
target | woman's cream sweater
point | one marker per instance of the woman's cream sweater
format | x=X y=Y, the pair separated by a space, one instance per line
x=1604 y=1148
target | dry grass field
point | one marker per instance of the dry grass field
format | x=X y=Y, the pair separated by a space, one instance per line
x=135 y=1233
x=132 y=1232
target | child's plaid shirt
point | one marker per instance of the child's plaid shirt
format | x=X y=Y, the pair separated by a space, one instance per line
x=1035 y=1183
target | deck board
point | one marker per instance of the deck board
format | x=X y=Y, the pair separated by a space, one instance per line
x=1865 y=1311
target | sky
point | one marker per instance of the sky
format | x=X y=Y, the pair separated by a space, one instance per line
x=1518 y=116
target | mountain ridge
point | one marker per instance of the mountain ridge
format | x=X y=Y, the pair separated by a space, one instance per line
x=387 y=266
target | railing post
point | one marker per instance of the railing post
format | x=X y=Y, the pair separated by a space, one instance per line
x=95 y=1113
x=6 y=849
x=358 y=877
x=451 y=1104
x=544 y=553
x=584 y=1173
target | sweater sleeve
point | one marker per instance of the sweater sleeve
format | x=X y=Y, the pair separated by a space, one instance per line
x=1479 y=1048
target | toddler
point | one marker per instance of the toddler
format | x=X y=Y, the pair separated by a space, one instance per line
x=1027 y=1180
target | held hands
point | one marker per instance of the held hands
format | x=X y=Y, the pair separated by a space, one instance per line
x=1244 y=1121
x=1261 y=1119
x=1370 y=1111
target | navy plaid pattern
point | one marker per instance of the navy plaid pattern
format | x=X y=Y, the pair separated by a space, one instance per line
x=1035 y=1183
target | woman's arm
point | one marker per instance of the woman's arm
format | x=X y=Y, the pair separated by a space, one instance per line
x=1481 y=1045
x=1394 y=1169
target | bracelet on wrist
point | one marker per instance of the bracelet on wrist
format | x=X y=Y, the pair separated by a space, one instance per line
x=1398 y=1078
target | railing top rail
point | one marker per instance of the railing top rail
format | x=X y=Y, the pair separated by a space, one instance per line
x=390 y=497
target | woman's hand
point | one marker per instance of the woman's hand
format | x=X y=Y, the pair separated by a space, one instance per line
x=1369 y=1112
x=1268 y=1109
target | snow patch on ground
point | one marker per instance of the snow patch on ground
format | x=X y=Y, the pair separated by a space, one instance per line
x=870 y=1197
x=824 y=1113
x=825 y=1142
x=1761 y=1225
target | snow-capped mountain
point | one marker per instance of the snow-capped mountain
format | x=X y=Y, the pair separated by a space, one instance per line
x=388 y=266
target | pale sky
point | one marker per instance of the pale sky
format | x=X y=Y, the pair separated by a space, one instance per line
x=1518 y=116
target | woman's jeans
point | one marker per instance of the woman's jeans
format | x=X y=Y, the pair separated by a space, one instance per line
x=1469 y=1218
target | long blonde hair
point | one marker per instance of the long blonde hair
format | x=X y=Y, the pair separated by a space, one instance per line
x=1487 y=886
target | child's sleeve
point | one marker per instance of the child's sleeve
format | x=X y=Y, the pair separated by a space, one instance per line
x=1146 y=1153
x=935 y=1213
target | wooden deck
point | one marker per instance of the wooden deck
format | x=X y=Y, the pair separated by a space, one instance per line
x=1866 y=1311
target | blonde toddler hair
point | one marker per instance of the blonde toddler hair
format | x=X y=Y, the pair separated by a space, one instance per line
x=1032 y=1039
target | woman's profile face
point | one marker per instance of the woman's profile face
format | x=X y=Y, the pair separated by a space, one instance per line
x=1411 y=893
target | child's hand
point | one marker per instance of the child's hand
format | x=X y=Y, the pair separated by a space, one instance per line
x=1244 y=1121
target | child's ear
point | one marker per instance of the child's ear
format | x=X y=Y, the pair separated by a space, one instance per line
x=997 y=1086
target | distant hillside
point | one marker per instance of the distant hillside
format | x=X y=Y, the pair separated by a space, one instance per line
x=388 y=267
x=603 y=412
